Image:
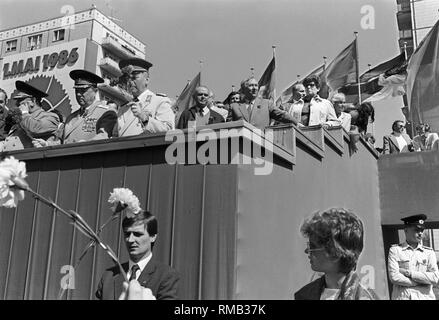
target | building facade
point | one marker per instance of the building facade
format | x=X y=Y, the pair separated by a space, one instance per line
x=44 y=53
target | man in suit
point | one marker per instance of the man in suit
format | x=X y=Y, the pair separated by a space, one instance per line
x=29 y=122
x=255 y=110
x=397 y=141
x=148 y=112
x=311 y=109
x=160 y=280
x=412 y=266
x=200 y=114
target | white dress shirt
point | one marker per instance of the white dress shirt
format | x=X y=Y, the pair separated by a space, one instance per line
x=142 y=264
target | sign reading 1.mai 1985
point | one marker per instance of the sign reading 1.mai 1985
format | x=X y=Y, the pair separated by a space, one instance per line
x=46 y=62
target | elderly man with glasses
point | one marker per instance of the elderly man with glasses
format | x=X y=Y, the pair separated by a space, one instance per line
x=200 y=114
x=397 y=141
x=148 y=112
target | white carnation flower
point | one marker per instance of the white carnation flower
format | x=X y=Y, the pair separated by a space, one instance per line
x=12 y=183
x=122 y=198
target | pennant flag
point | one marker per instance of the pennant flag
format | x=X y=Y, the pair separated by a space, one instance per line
x=267 y=82
x=391 y=66
x=342 y=70
x=423 y=80
x=185 y=99
x=287 y=93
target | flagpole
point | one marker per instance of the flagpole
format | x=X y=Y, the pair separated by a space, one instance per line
x=201 y=68
x=252 y=70
x=324 y=62
x=409 y=102
x=274 y=73
x=357 y=63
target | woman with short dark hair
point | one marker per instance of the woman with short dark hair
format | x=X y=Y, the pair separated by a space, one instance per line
x=335 y=244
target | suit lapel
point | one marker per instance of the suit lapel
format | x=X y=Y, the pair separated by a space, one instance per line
x=128 y=123
x=244 y=111
x=118 y=282
x=395 y=143
x=70 y=128
x=145 y=276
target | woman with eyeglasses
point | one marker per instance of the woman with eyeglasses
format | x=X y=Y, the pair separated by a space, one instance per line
x=335 y=244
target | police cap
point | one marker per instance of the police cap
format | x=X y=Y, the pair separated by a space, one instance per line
x=84 y=78
x=137 y=64
x=417 y=220
x=25 y=90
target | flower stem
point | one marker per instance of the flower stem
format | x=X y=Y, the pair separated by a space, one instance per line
x=81 y=224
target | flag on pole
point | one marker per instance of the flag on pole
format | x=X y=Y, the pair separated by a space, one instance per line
x=185 y=99
x=287 y=93
x=385 y=80
x=423 y=80
x=267 y=82
x=342 y=70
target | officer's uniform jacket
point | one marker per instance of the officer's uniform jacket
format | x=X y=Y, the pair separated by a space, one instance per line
x=38 y=124
x=161 y=117
x=422 y=263
x=321 y=111
x=87 y=126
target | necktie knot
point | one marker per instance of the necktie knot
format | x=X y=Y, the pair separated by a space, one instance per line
x=134 y=269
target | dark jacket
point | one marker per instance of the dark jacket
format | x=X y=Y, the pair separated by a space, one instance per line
x=190 y=115
x=351 y=289
x=390 y=145
x=262 y=112
x=160 y=278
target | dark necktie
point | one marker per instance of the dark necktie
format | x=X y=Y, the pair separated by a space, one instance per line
x=134 y=269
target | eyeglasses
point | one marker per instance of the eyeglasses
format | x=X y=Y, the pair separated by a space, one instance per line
x=234 y=99
x=203 y=94
x=310 y=248
x=2 y=101
x=312 y=84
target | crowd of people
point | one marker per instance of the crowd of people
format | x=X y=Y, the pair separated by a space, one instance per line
x=29 y=125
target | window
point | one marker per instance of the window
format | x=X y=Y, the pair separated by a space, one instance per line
x=58 y=35
x=34 y=42
x=405 y=33
x=11 y=45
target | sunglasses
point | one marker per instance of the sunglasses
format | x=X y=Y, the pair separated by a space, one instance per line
x=311 y=248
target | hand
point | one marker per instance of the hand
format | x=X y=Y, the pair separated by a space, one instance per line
x=24 y=107
x=139 y=113
x=134 y=291
x=39 y=143
x=405 y=272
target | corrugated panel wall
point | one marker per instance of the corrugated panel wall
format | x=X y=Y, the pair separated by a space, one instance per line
x=195 y=206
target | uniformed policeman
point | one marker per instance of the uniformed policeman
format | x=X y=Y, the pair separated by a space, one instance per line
x=148 y=112
x=413 y=267
x=93 y=120
x=29 y=121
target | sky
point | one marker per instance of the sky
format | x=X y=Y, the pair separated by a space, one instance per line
x=233 y=36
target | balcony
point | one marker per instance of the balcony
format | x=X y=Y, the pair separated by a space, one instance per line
x=115 y=47
x=110 y=66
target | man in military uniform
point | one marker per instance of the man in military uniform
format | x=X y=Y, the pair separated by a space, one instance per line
x=94 y=120
x=148 y=112
x=413 y=267
x=29 y=121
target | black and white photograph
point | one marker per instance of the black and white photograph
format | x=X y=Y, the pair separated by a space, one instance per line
x=219 y=151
